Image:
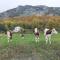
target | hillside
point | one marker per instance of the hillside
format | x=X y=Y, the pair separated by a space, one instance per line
x=29 y=10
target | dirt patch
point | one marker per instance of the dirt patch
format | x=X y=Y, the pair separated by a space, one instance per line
x=19 y=53
x=28 y=52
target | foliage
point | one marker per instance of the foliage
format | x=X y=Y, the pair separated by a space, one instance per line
x=29 y=22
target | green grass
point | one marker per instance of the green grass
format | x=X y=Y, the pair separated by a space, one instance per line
x=46 y=52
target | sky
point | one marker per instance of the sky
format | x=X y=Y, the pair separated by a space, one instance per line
x=9 y=4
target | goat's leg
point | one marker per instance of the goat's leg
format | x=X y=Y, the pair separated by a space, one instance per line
x=8 y=39
x=50 y=39
x=46 y=38
x=37 y=38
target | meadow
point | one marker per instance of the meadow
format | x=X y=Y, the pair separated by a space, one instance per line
x=27 y=49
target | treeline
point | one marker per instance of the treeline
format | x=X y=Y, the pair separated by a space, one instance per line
x=30 y=22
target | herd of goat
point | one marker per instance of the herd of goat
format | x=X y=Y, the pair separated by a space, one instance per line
x=47 y=33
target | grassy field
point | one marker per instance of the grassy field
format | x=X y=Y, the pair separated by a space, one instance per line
x=27 y=49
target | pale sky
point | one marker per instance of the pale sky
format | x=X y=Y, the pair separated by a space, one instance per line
x=9 y=4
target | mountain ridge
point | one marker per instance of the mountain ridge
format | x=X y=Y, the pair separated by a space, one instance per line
x=29 y=10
